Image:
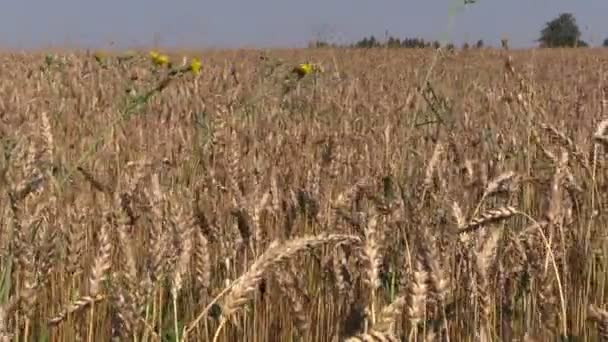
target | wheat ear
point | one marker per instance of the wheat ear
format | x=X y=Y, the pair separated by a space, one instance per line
x=99 y=271
x=372 y=336
x=489 y=216
x=276 y=253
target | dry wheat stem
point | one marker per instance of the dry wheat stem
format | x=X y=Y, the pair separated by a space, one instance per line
x=372 y=336
x=275 y=254
x=600 y=316
x=99 y=271
x=296 y=293
x=547 y=246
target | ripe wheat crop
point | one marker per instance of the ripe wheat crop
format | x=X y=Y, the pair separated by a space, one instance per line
x=373 y=200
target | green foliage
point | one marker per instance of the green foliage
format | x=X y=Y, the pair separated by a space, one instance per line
x=169 y=333
x=562 y=31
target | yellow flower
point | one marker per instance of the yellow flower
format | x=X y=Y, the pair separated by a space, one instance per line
x=195 y=65
x=303 y=69
x=306 y=68
x=99 y=56
x=159 y=59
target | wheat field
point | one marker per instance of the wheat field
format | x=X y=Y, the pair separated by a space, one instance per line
x=399 y=195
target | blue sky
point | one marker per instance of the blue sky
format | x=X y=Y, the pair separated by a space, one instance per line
x=270 y=23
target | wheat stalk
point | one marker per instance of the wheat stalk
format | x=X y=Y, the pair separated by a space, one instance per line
x=417 y=296
x=99 y=270
x=483 y=259
x=277 y=253
x=600 y=316
x=297 y=296
x=372 y=336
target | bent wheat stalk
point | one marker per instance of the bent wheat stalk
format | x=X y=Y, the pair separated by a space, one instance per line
x=276 y=253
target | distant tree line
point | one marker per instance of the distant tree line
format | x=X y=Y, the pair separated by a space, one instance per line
x=563 y=31
x=393 y=42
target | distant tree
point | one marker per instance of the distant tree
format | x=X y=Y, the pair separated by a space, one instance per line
x=407 y=43
x=373 y=42
x=393 y=42
x=414 y=43
x=562 y=31
x=367 y=42
x=436 y=45
x=465 y=46
x=479 y=44
x=605 y=44
x=450 y=47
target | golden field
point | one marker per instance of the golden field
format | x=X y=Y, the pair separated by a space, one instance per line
x=400 y=195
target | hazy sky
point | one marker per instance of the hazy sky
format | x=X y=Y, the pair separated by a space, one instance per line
x=267 y=23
